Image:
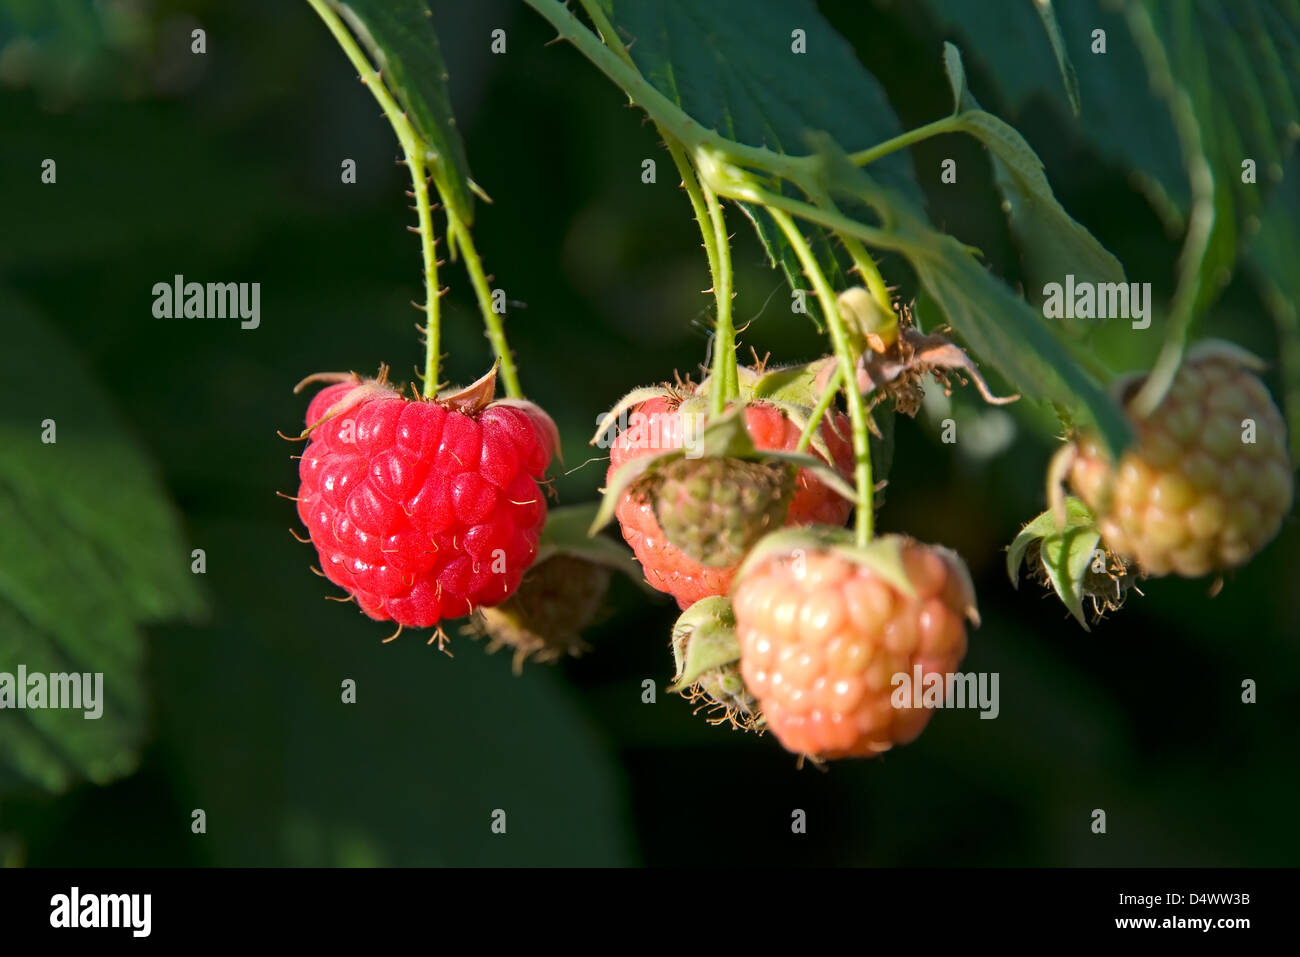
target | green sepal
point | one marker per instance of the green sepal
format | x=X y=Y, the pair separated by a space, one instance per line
x=635 y=397
x=1065 y=551
x=793 y=384
x=704 y=639
x=882 y=555
x=1077 y=515
x=724 y=437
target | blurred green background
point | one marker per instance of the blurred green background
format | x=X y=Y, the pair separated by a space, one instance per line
x=226 y=167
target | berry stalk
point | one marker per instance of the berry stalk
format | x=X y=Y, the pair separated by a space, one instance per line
x=709 y=235
x=1200 y=219
x=726 y=376
x=432 y=294
x=717 y=245
x=847 y=364
x=862 y=260
x=413 y=149
x=870 y=273
x=824 y=403
x=491 y=321
x=945 y=124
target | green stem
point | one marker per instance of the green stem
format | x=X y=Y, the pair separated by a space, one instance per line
x=702 y=216
x=413 y=150
x=865 y=264
x=848 y=372
x=708 y=214
x=491 y=320
x=735 y=184
x=824 y=403
x=605 y=30
x=870 y=273
x=726 y=378
x=1200 y=226
x=947 y=124
x=717 y=157
x=433 y=296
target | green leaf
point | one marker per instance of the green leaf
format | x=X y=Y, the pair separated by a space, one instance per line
x=1006 y=333
x=401 y=40
x=1066 y=558
x=795 y=384
x=1068 y=77
x=1119 y=116
x=998 y=326
x=1051 y=242
x=91 y=552
x=956 y=72
x=1066 y=551
x=730 y=65
x=1181 y=84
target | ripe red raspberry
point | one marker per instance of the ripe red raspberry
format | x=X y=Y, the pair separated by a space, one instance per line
x=419 y=510
x=656 y=426
x=824 y=629
x=1191 y=496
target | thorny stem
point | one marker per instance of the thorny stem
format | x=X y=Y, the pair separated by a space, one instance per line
x=726 y=378
x=491 y=320
x=736 y=183
x=1200 y=226
x=862 y=260
x=824 y=403
x=848 y=374
x=432 y=295
x=414 y=151
x=946 y=124
x=698 y=206
x=708 y=213
x=870 y=273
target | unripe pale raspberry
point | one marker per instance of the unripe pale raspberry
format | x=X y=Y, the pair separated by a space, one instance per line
x=657 y=427
x=420 y=511
x=1192 y=496
x=823 y=633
